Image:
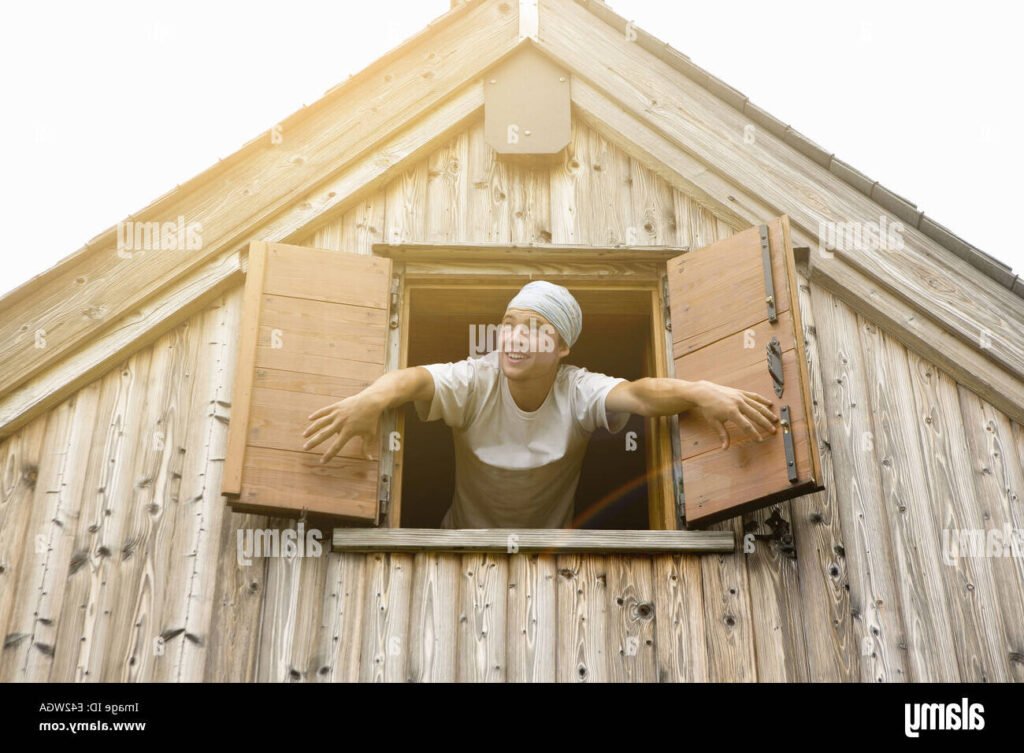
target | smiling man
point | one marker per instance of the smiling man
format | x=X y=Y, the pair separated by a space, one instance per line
x=521 y=419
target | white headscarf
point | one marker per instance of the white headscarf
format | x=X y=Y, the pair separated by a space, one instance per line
x=555 y=303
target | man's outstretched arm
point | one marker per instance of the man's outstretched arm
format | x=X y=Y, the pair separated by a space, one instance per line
x=663 y=396
x=359 y=415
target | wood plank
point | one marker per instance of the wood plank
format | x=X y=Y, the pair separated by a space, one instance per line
x=631 y=611
x=998 y=483
x=780 y=642
x=434 y=616
x=345 y=602
x=34 y=611
x=131 y=333
x=104 y=605
x=75 y=592
x=483 y=613
x=922 y=335
x=913 y=523
x=280 y=609
x=385 y=634
x=346 y=487
x=531 y=540
x=202 y=509
x=23 y=453
x=450 y=252
x=532 y=636
x=680 y=639
x=728 y=619
x=833 y=654
x=582 y=653
x=878 y=630
x=234 y=642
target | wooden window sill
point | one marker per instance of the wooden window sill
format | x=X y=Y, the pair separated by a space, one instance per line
x=518 y=540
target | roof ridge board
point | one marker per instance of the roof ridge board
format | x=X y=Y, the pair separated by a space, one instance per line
x=888 y=199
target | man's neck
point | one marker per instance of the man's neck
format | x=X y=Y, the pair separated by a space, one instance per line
x=530 y=394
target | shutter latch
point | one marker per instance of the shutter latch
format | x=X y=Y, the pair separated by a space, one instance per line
x=775 y=364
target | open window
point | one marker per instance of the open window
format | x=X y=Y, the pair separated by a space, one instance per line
x=319 y=326
x=616 y=340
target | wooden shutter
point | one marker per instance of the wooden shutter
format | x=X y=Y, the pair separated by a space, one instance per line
x=721 y=328
x=314 y=330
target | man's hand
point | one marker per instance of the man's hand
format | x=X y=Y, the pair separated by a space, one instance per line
x=355 y=416
x=717 y=403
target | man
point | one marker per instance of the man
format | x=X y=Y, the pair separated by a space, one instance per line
x=521 y=419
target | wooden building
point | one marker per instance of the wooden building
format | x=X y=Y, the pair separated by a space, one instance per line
x=155 y=383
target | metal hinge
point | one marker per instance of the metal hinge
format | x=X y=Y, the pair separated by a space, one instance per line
x=787 y=439
x=680 y=506
x=385 y=494
x=393 y=323
x=769 y=284
x=666 y=309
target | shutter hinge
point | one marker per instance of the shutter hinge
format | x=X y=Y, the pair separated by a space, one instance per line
x=385 y=494
x=769 y=284
x=787 y=438
x=667 y=311
x=393 y=322
x=680 y=506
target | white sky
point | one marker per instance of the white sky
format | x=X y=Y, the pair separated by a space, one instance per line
x=108 y=105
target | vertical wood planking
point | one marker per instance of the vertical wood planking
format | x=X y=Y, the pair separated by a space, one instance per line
x=932 y=646
x=19 y=477
x=385 y=649
x=878 y=629
x=582 y=618
x=134 y=641
x=482 y=618
x=344 y=609
x=833 y=653
x=532 y=634
x=447 y=191
x=631 y=613
x=28 y=649
x=999 y=486
x=680 y=639
x=433 y=619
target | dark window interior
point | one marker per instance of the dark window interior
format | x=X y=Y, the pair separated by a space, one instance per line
x=615 y=340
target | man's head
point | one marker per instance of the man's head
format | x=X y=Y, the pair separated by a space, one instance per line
x=541 y=323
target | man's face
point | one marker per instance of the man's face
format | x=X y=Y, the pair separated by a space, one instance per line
x=529 y=345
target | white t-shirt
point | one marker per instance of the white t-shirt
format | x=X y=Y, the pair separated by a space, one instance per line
x=513 y=468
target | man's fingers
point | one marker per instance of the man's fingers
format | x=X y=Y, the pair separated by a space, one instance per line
x=319 y=437
x=744 y=421
x=757 y=396
x=322 y=412
x=723 y=434
x=336 y=446
x=753 y=410
x=765 y=410
x=317 y=425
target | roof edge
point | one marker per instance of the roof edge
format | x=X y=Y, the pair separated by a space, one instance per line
x=889 y=200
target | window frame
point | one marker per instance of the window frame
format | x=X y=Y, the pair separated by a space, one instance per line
x=453 y=265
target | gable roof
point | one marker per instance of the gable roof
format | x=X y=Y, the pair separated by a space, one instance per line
x=905 y=210
x=96 y=309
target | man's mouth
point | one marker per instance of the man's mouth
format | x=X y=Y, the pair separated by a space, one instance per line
x=516 y=357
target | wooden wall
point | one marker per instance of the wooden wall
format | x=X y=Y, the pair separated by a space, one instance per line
x=118 y=558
